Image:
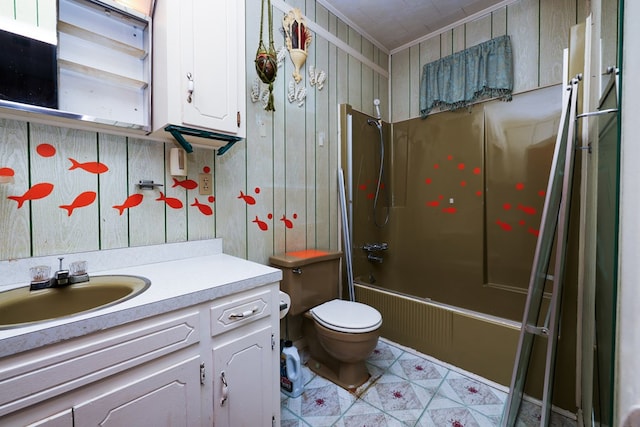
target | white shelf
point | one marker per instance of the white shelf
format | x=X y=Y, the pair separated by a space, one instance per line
x=101 y=74
x=99 y=39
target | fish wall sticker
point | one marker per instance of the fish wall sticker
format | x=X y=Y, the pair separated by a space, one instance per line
x=91 y=167
x=436 y=202
x=38 y=191
x=187 y=184
x=172 y=202
x=131 y=201
x=82 y=200
x=203 y=208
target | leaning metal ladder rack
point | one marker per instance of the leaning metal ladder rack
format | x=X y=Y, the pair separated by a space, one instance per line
x=554 y=222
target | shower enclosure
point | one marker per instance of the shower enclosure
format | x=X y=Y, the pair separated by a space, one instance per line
x=464 y=191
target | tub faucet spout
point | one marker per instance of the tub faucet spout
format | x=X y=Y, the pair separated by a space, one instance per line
x=374 y=258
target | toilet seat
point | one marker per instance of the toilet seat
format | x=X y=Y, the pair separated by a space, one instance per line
x=347 y=316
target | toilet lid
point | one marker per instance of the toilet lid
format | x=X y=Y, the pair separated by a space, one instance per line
x=347 y=316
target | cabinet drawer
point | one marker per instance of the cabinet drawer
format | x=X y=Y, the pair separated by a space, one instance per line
x=231 y=312
x=52 y=370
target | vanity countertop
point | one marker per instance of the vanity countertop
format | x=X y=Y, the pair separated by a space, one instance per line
x=175 y=284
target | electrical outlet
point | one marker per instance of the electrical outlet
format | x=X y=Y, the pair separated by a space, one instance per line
x=205 y=185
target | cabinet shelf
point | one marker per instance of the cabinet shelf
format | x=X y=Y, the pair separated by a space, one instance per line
x=101 y=74
x=82 y=33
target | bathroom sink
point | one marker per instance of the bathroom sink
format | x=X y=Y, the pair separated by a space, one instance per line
x=22 y=307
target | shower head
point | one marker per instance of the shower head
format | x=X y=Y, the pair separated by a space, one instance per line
x=376 y=104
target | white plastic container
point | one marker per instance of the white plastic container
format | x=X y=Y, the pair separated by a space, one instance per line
x=290 y=371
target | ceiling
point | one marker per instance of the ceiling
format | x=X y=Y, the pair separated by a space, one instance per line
x=395 y=23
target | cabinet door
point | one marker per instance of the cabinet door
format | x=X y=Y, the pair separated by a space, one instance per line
x=213 y=54
x=169 y=396
x=243 y=379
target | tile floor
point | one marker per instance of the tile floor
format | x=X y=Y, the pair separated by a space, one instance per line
x=406 y=388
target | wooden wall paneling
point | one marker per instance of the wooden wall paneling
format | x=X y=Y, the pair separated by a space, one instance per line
x=293 y=215
x=323 y=111
x=342 y=70
x=499 y=22
x=478 y=31
x=383 y=86
x=429 y=52
x=27 y=11
x=556 y=17
x=334 y=136
x=14 y=221
x=355 y=72
x=401 y=97
x=113 y=191
x=259 y=143
x=367 y=79
x=522 y=26
x=458 y=38
x=230 y=213
x=200 y=226
x=310 y=137
x=446 y=43
x=147 y=221
x=279 y=122
x=415 y=73
x=54 y=230
x=7 y=9
x=176 y=218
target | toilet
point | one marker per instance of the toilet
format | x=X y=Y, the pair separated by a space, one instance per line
x=340 y=334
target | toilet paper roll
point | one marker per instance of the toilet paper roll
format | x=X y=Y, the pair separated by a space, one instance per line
x=285 y=303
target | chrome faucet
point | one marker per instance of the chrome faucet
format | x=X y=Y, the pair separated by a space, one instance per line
x=372 y=248
x=60 y=278
x=375 y=247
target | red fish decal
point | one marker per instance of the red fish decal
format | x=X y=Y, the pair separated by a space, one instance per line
x=504 y=225
x=7 y=172
x=172 y=202
x=132 y=201
x=38 y=191
x=204 y=209
x=449 y=210
x=533 y=231
x=83 y=199
x=527 y=209
x=261 y=224
x=433 y=203
x=248 y=199
x=46 y=150
x=287 y=222
x=91 y=167
x=362 y=187
x=189 y=184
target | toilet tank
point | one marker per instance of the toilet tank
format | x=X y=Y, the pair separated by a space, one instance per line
x=310 y=277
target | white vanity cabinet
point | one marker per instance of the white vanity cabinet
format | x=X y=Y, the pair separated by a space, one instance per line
x=198 y=66
x=245 y=350
x=162 y=370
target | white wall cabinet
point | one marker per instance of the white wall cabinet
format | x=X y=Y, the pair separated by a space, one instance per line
x=164 y=370
x=104 y=64
x=198 y=66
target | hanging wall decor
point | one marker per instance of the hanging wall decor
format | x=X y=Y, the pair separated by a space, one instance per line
x=298 y=38
x=267 y=59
